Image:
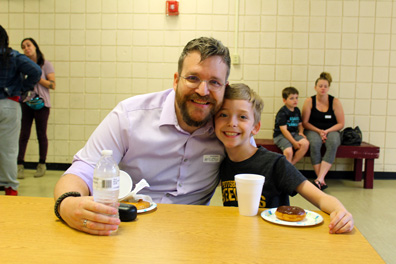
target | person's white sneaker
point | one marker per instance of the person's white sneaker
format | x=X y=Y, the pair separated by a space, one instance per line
x=20 y=171
x=41 y=169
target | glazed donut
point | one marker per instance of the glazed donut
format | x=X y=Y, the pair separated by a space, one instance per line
x=290 y=213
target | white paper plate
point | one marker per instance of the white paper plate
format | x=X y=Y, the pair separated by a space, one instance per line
x=311 y=218
x=152 y=207
x=125 y=185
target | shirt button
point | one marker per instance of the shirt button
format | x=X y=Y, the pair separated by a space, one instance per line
x=185 y=160
x=167 y=195
x=180 y=185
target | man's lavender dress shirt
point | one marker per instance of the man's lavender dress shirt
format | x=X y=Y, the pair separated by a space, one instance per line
x=148 y=143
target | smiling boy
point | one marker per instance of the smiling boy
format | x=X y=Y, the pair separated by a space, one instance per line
x=238 y=120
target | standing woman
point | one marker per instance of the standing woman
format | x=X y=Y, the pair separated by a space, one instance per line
x=41 y=89
x=323 y=118
x=13 y=66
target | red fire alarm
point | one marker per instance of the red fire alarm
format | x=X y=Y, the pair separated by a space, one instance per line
x=172 y=8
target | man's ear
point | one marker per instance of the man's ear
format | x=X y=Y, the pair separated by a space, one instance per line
x=256 y=128
x=284 y=100
x=175 y=80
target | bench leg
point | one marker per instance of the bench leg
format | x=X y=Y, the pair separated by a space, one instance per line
x=357 y=169
x=369 y=174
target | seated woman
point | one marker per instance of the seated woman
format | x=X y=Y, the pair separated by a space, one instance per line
x=322 y=118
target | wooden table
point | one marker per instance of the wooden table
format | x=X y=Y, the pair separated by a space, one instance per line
x=30 y=233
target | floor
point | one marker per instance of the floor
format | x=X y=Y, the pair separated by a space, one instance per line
x=374 y=210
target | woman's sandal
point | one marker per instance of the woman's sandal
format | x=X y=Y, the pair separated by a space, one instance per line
x=320 y=187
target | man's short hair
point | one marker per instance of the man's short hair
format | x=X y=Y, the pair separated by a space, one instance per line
x=240 y=91
x=207 y=47
x=288 y=91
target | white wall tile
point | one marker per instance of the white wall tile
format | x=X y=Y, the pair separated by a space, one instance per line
x=300 y=57
x=300 y=40
x=285 y=7
x=365 y=41
x=47 y=6
x=93 y=21
x=382 y=42
x=301 y=24
x=109 y=21
x=366 y=25
x=391 y=124
x=390 y=140
x=269 y=7
x=32 y=6
x=93 y=6
x=301 y=8
x=109 y=6
x=108 y=53
x=383 y=9
x=379 y=91
x=383 y=25
x=77 y=37
x=127 y=6
x=378 y=107
x=285 y=23
x=92 y=53
x=367 y=8
x=377 y=123
x=317 y=24
x=391 y=107
x=77 y=6
x=61 y=6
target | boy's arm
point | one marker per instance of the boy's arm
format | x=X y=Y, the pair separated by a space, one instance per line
x=301 y=130
x=341 y=221
x=289 y=137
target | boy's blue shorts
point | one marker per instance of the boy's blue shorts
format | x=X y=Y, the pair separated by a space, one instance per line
x=283 y=143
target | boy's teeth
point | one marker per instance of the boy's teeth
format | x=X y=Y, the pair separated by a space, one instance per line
x=231 y=133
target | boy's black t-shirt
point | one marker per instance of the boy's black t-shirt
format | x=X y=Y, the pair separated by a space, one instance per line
x=289 y=118
x=281 y=178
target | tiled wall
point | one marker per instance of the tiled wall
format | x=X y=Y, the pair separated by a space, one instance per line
x=105 y=51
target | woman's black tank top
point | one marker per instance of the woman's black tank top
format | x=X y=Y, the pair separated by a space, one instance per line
x=322 y=120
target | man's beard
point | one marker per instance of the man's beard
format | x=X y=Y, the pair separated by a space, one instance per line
x=182 y=104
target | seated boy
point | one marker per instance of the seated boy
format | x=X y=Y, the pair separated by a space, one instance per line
x=239 y=119
x=288 y=132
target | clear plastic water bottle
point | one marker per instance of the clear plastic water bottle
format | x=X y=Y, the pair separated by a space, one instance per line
x=106 y=180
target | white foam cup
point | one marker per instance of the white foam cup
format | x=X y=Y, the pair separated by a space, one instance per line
x=249 y=188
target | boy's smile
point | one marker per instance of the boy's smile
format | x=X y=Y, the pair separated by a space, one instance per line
x=234 y=125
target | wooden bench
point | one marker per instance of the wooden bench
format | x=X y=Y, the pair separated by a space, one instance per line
x=358 y=153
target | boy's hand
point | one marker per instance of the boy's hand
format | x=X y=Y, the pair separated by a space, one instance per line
x=341 y=221
x=296 y=145
x=302 y=134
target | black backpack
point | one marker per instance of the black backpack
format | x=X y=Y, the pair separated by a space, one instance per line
x=351 y=136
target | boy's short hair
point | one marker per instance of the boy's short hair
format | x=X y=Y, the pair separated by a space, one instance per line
x=240 y=91
x=288 y=91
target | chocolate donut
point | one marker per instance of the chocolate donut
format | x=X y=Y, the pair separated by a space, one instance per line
x=290 y=213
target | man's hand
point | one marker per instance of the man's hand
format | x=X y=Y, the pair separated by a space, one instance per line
x=83 y=214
